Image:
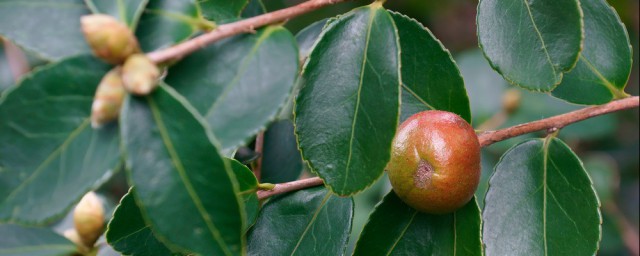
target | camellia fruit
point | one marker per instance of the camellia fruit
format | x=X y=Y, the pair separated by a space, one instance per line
x=435 y=162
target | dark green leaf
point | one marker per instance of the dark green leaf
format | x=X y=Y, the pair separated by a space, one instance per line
x=186 y=190
x=166 y=22
x=129 y=234
x=248 y=185
x=541 y=202
x=430 y=77
x=26 y=241
x=281 y=160
x=307 y=222
x=253 y=8
x=222 y=11
x=48 y=28
x=239 y=84
x=49 y=154
x=308 y=36
x=605 y=62
x=127 y=11
x=395 y=228
x=531 y=43
x=347 y=110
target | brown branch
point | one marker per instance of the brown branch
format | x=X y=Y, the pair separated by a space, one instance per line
x=290 y=186
x=488 y=138
x=556 y=122
x=257 y=168
x=243 y=26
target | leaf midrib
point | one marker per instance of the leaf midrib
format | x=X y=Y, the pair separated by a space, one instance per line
x=617 y=93
x=393 y=247
x=539 y=34
x=313 y=220
x=355 y=115
x=183 y=177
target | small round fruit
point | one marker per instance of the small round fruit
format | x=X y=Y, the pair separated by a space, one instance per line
x=435 y=162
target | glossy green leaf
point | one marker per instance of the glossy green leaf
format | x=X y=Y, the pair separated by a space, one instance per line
x=307 y=38
x=166 y=22
x=307 y=222
x=49 y=154
x=128 y=233
x=186 y=190
x=176 y=168
x=281 y=160
x=248 y=185
x=347 y=110
x=127 y=11
x=47 y=27
x=28 y=241
x=395 y=228
x=6 y=77
x=541 y=202
x=239 y=84
x=604 y=66
x=253 y=8
x=430 y=77
x=531 y=43
x=222 y=11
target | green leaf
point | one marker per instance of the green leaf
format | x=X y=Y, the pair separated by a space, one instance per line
x=605 y=62
x=6 y=77
x=430 y=77
x=308 y=36
x=166 y=22
x=47 y=27
x=222 y=11
x=281 y=160
x=186 y=190
x=531 y=43
x=27 y=241
x=541 y=202
x=395 y=228
x=253 y=8
x=347 y=110
x=239 y=84
x=307 y=222
x=127 y=11
x=49 y=154
x=128 y=233
x=248 y=185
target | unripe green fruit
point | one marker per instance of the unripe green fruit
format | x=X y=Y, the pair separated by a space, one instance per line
x=140 y=75
x=109 y=39
x=435 y=162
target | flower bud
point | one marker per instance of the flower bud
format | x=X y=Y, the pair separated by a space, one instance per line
x=140 y=75
x=109 y=39
x=108 y=99
x=511 y=100
x=88 y=218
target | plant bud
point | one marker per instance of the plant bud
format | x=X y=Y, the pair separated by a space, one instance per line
x=88 y=219
x=108 y=99
x=511 y=100
x=109 y=39
x=140 y=75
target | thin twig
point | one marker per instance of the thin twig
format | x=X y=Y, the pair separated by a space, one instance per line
x=556 y=122
x=243 y=26
x=257 y=168
x=289 y=187
x=488 y=138
x=18 y=63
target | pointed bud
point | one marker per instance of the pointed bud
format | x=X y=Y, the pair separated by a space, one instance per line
x=88 y=218
x=140 y=75
x=108 y=99
x=109 y=39
x=511 y=100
